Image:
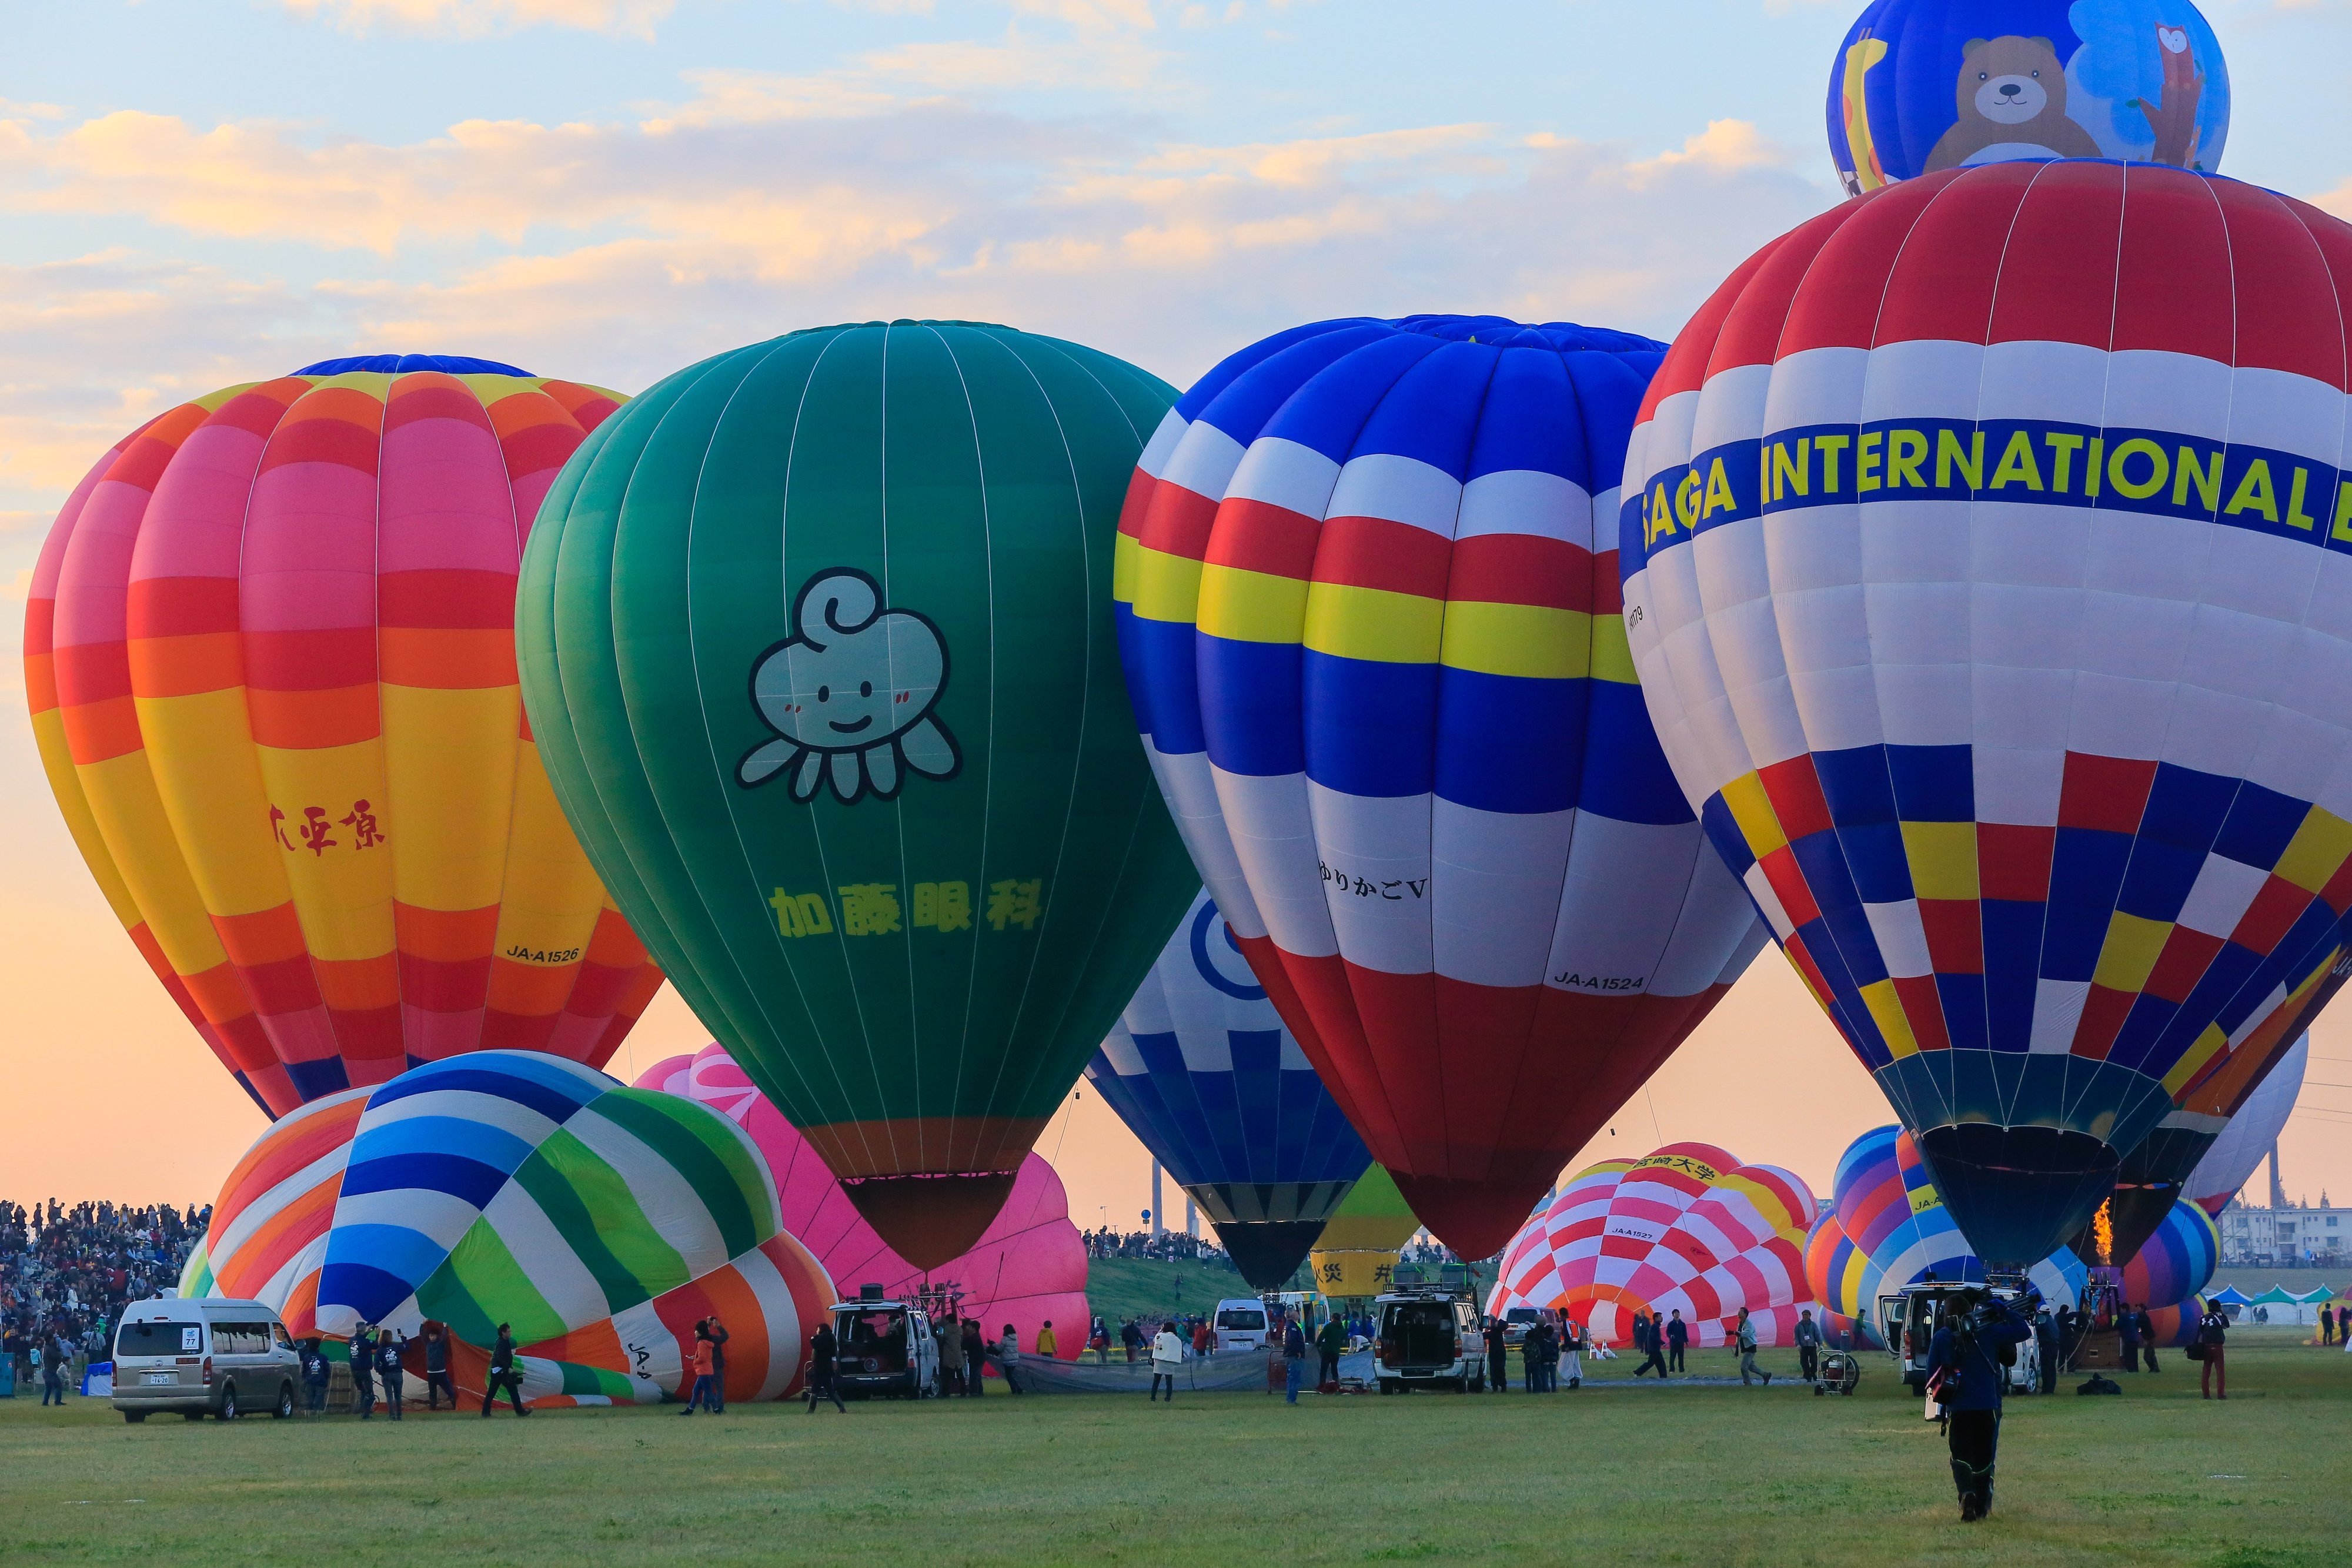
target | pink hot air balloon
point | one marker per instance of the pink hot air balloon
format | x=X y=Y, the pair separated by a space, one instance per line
x=1028 y=1269
x=1687 y=1228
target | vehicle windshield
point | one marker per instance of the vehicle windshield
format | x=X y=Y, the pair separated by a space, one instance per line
x=160 y=1339
x=1238 y=1318
x=1520 y=1315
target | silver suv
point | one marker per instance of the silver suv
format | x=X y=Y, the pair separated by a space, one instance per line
x=204 y=1356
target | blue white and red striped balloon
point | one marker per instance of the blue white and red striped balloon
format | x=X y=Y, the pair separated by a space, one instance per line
x=1372 y=643
x=1988 y=554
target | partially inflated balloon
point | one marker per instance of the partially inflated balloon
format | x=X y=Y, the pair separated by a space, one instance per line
x=1986 y=556
x=1920 y=85
x=2251 y=1135
x=1028 y=1269
x=1362 y=1241
x=1687 y=1228
x=1885 y=1227
x=1201 y=1070
x=2177 y=1262
x=270 y=655
x=817 y=637
x=1369 y=619
x=511 y=1187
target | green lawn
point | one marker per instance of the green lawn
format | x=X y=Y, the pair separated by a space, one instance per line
x=1611 y=1475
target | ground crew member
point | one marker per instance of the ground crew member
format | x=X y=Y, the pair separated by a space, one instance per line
x=389 y=1368
x=437 y=1367
x=1329 y=1341
x=363 y=1349
x=1497 y=1348
x=1809 y=1347
x=823 y=1349
x=503 y=1374
x=1964 y=1362
x=1677 y=1341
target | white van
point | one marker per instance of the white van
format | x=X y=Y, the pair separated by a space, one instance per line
x=883 y=1347
x=201 y=1355
x=1241 y=1324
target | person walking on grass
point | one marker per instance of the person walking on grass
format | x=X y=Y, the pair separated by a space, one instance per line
x=975 y=1360
x=437 y=1367
x=1293 y=1360
x=2127 y=1327
x=1497 y=1347
x=1743 y=1339
x=362 y=1351
x=390 y=1371
x=1966 y=1379
x=315 y=1374
x=949 y=1332
x=1008 y=1357
x=1098 y=1341
x=2146 y=1335
x=53 y=1372
x=1809 y=1347
x=1330 y=1341
x=717 y=1405
x=1167 y=1355
x=1131 y=1337
x=1571 y=1339
x=1677 y=1340
x=2212 y=1334
x=1203 y=1338
x=703 y=1354
x=1650 y=1339
x=503 y=1375
x=2326 y=1326
x=824 y=1351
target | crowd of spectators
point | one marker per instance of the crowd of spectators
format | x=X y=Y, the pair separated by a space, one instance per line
x=1168 y=1247
x=66 y=1274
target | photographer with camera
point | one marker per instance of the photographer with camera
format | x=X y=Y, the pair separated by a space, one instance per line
x=1978 y=1338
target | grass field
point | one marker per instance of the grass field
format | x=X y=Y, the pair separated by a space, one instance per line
x=1612 y=1474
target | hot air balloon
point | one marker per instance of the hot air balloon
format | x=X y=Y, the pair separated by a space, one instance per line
x=1922 y=86
x=1987 y=610
x=1028 y=1269
x=2250 y=1134
x=2177 y=1260
x=1686 y=1228
x=513 y=1187
x=1364 y=1239
x=817 y=636
x=1201 y=1068
x=270 y=658
x=1885 y=1227
x=1370 y=638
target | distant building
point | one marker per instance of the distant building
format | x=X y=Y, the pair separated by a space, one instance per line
x=2285 y=1236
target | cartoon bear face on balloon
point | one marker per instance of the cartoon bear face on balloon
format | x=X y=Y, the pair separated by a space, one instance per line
x=2011 y=98
x=850 y=695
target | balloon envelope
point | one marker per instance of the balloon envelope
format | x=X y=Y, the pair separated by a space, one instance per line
x=1921 y=85
x=817 y=636
x=2251 y=1135
x=512 y=1186
x=1201 y=1070
x=271 y=656
x=1686 y=1228
x=1028 y=1269
x=2177 y=1262
x=1370 y=633
x=1973 y=600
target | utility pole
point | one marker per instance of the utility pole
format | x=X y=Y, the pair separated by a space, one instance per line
x=1191 y=1218
x=1156 y=1227
x=2278 y=1188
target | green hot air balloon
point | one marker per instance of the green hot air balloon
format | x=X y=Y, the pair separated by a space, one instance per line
x=816 y=640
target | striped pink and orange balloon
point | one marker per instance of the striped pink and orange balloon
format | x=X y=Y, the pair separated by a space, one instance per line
x=270 y=652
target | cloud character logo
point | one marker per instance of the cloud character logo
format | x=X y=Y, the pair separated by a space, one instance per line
x=850 y=694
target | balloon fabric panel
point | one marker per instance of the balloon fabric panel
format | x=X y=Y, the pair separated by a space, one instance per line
x=2248 y=1138
x=912 y=922
x=1372 y=644
x=271 y=663
x=2037 y=777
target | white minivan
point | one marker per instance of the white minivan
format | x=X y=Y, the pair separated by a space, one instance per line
x=1241 y=1324
x=201 y=1355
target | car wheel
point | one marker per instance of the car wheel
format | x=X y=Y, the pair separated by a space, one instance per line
x=285 y=1402
x=227 y=1409
x=1386 y=1387
x=134 y=1416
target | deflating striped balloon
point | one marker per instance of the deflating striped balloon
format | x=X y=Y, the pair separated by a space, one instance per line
x=268 y=1230
x=269 y=650
x=1988 y=552
x=1371 y=639
x=1201 y=1068
x=1686 y=1229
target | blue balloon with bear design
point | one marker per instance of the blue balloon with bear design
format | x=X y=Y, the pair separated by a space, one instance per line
x=1923 y=85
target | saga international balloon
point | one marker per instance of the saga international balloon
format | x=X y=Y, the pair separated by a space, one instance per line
x=514 y=1186
x=1372 y=640
x=1686 y=1228
x=817 y=636
x=1885 y=1227
x=1984 y=568
x=1028 y=1269
x=269 y=651
x=1922 y=86
x=2230 y=1162
x=1201 y=1070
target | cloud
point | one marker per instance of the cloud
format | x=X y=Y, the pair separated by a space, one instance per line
x=479 y=19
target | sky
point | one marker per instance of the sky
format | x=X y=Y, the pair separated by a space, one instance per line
x=195 y=195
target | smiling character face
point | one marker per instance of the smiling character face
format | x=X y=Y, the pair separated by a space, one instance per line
x=850 y=693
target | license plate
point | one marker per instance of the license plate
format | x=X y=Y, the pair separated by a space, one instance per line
x=159 y=1377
